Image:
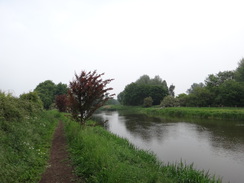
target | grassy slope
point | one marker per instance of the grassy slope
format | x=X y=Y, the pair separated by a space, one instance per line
x=24 y=147
x=100 y=156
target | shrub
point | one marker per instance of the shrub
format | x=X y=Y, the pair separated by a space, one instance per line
x=169 y=101
x=148 y=101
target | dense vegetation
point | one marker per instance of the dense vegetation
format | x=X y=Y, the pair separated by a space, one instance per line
x=48 y=90
x=224 y=89
x=25 y=137
x=100 y=156
x=221 y=89
x=135 y=93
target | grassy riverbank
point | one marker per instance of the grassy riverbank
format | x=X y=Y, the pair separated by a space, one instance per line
x=24 y=146
x=187 y=112
x=100 y=156
x=25 y=137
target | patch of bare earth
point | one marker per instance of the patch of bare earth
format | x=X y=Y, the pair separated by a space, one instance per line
x=59 y=169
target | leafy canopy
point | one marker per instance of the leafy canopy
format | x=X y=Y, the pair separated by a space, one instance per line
x=135 y=93
x=86 y=94
x=47 y=91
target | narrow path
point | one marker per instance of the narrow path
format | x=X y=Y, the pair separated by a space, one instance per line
x=59 y=169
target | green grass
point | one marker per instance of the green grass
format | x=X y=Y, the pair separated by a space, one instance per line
x=188 y=112
x=24 y=146
x=100 y=156
x=204 y=112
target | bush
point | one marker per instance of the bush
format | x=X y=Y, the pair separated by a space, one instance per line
x=24 y=142
x=148 y=101
x=10 y=109
x=169 y=101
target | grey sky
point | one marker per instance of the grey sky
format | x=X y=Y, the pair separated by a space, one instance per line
x=181 y=41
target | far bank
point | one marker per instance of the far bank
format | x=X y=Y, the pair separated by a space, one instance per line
x=230 y=113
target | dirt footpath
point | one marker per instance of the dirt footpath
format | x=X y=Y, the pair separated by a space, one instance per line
x=59 y=168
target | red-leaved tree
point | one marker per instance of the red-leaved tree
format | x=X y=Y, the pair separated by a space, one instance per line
x=61 y=102
x=86 y=94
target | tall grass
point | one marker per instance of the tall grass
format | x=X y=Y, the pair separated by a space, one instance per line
x=100 y=156
x=25 y=138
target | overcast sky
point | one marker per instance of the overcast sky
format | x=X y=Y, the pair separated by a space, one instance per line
x=181 y=41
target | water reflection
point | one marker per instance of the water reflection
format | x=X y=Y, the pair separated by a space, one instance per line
x=217 y=146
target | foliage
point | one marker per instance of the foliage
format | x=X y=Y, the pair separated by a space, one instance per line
x=171 y=90
x=61 y=89
x=239 y=73
x=195 y=86
x=10 y=109
x=100 y=156
x=34 y=100
x=195 y=112
x=169 y=101
x=218 y=79
x=146 y=80
x=230 y=93
x=47 y=91
x=135 y=93
x=15 y=109
x=112 y=102
x=24 y=143
x=182 y=99
x=221 y=89
x=61 y=102
x=148 y=101
x=199 y=97
x=86 y=94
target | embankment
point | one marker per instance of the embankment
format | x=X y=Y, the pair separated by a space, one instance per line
x=100 y=156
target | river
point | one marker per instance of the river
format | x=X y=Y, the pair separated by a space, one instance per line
x=214 y=146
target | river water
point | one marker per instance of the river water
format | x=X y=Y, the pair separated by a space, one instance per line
x=214 y=146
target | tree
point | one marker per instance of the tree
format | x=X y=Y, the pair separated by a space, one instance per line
x=143 y=80
x=134 y=94
x=148 y=101
x=218 y=79
x=146 y=80
x=61 y=89
x=171 y=90
x=200 y=97
x=86 y=94
x=182 y=99
x=169 y=101
x=47 y=91
x=231 y=94
x=61 y=102
x=239 y=73
x=157 y=92
x=194 y=86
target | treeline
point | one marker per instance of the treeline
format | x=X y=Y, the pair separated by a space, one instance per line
x=145 y=91
x=48 y=91
x=224 y=89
